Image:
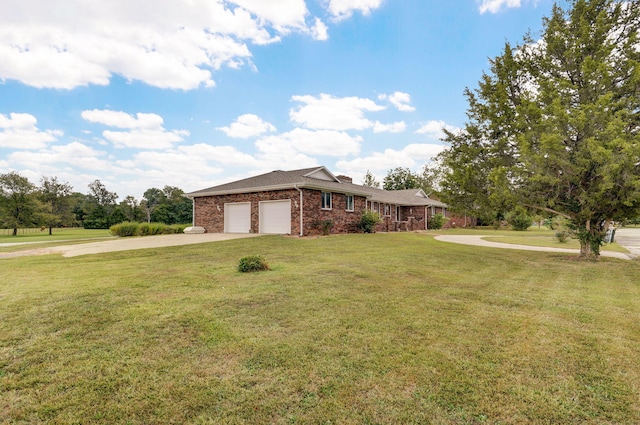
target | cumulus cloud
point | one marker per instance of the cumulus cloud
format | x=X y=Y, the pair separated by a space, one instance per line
x=494 y=6
x=74 y=154
x=395 y=127
x=343 y=9
x=144 y=131
x=411 y=156
x=322 y=142
x=332 y=113
x=175 y=44
x=402 y=101
x=247 y=125
x=433 y=129
x=20 y=131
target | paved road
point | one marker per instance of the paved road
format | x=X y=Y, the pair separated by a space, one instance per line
x=126 y=244
x=628 y=238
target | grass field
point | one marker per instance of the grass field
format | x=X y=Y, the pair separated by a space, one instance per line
x=353 y=329
x=532 y=237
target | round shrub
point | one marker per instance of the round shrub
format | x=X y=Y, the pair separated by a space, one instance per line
x=252 y=263
x=368 y=221
x=519 y=220
x=437 y=221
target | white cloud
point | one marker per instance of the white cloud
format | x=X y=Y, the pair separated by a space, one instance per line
x=411 y=156
x=247 y=125
x=70 y=158
x=144 y=131
x=433 y=129
x=331 y=113
x=322 y=142
x=494 y=6
x=395 y=127
x=402 y=101
x=20 y=131
x=343 y=9
x=282 y=14
x=174 y=44
x=319 y=30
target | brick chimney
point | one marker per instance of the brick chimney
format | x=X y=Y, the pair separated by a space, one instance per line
x=345 y=179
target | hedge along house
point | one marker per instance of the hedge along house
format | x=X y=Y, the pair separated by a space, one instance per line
x=297 y=202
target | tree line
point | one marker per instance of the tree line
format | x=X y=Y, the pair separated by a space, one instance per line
x=53 y=203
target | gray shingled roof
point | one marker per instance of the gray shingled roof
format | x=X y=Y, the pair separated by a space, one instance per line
x=278 y=180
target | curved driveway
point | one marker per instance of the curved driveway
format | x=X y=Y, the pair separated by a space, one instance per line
x=628 y=238
x=126 y=244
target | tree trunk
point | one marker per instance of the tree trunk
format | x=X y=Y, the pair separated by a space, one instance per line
x=50 y=230
x=585 y=249
x=15 y=231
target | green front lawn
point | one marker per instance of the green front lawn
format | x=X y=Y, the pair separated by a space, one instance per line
x=353 y=329
x=533 y=237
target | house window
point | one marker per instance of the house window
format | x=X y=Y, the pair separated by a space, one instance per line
x=326 y=200
x=387 y=209
x=348 y=199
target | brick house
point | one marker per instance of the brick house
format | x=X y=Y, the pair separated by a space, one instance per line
x=297 y=202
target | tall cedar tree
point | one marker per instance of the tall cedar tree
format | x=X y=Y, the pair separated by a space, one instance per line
x=555 y=125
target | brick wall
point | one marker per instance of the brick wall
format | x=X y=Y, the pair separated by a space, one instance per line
x=343 y=221
x=209 y=210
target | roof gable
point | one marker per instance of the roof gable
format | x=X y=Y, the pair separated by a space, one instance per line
x=322 y=174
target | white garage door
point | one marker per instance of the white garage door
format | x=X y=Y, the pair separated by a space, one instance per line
x=237 y=217
x=275 y=217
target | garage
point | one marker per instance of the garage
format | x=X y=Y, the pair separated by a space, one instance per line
x=275 y=217
x=237 y=217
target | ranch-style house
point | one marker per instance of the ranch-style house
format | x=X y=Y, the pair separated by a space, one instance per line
x=297 y=202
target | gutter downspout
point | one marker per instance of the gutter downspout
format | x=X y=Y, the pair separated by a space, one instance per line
x=426 y=216
x=301 y=210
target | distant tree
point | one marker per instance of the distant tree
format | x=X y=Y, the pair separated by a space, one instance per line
x=56 y=201
x=100 y=205
x=173 y=208
x=150 y=200
x=18 y=203
x=429 y=178
x=80 y=206
x=400 y=178
x=370 y=180
x=555 y=125
x=131 y=209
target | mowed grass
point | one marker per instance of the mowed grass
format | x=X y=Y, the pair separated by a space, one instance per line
x=35 y=238
x=534 y=236
x=353 y=329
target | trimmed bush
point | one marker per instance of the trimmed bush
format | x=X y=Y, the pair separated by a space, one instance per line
x=146 y=229
x=368 y=221
x=324 y=226
x=126 y=228
x=436 y=222
x=252 y=263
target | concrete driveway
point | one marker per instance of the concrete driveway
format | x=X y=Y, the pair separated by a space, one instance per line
x=628 y=238
x=127 y=244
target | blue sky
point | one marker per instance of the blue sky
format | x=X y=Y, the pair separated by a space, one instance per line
x=194 y=93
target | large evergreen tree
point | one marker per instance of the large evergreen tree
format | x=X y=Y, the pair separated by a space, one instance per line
x=555 y=124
